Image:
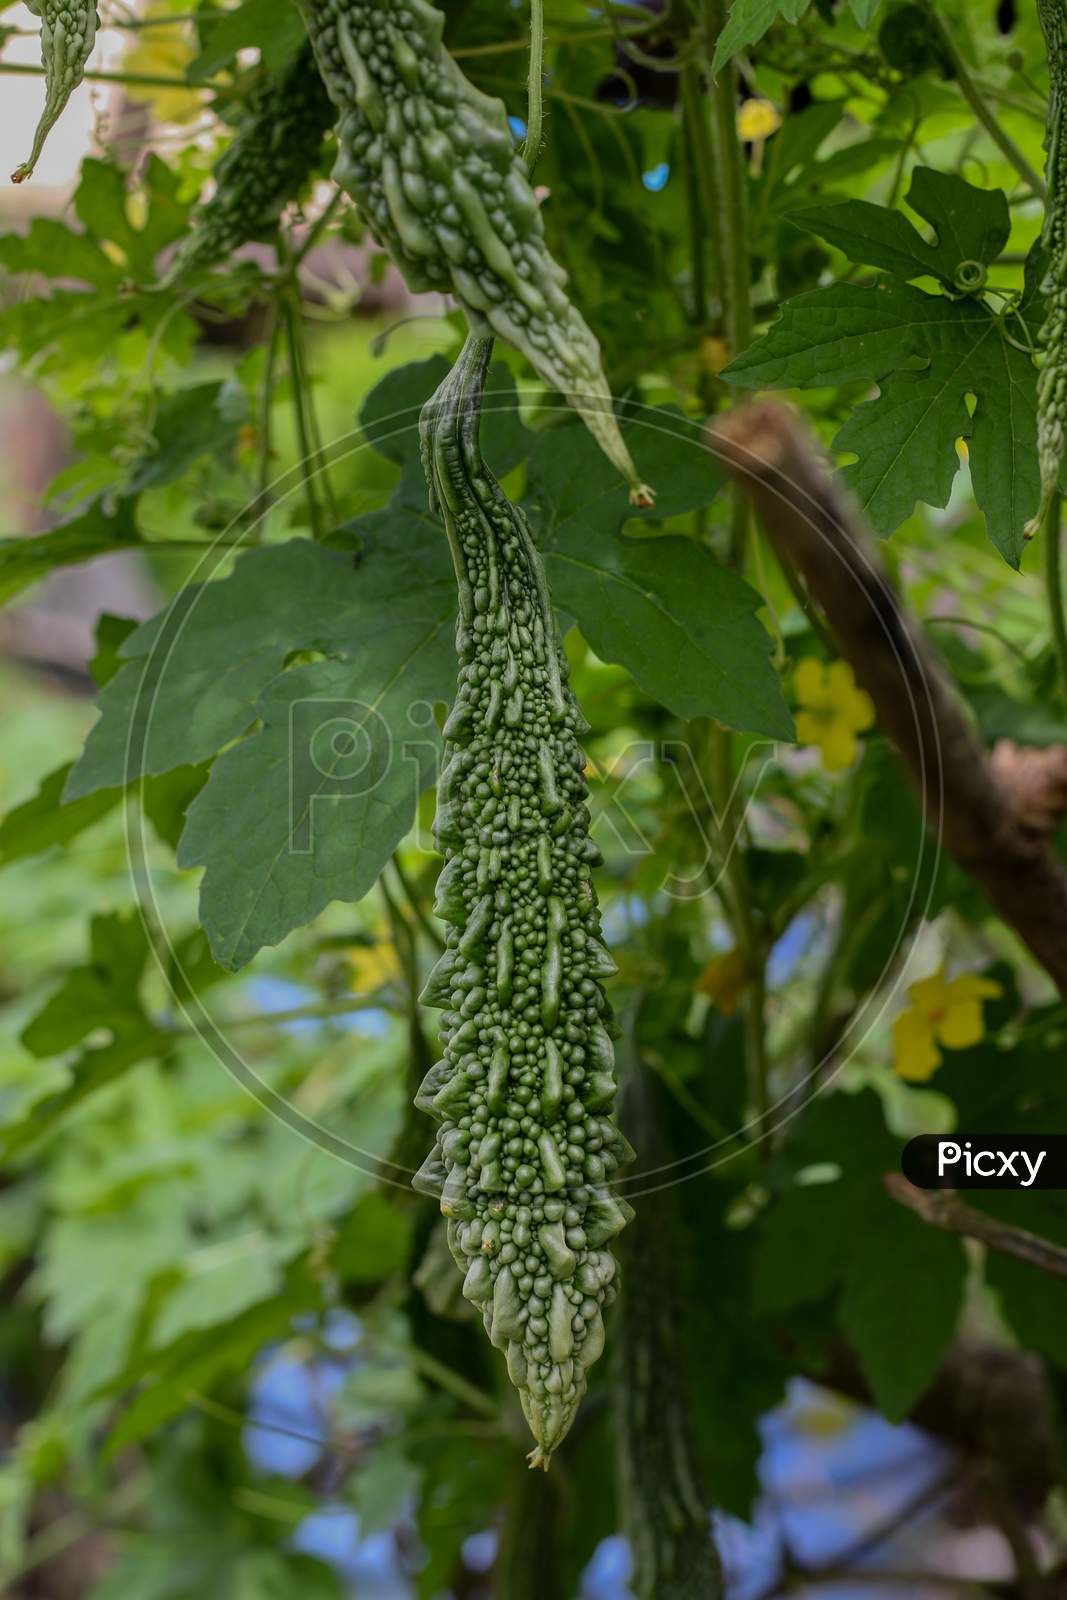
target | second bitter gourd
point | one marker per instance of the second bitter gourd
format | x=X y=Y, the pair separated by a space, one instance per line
x=526 y=1144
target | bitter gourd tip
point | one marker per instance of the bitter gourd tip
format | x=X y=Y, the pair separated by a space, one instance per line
x=642 y=497
x=68 y=31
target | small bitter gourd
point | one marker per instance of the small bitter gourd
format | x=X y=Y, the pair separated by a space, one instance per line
x=68 y=31
x=431 y=162
x=268 y=163
x=525 y=1089
x=1052 y=379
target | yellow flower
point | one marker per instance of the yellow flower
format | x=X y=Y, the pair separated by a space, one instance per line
x=371 y=966
x=165 y=50
x=725 y=979
x=832 y=710
x=758 y=119
x=942 y=1013
x=714 y=354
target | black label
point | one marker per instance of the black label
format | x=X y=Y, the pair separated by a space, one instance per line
x=986 y=1161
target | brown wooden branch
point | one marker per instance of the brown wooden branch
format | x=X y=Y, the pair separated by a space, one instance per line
x=819 y=532
x=943 y=1208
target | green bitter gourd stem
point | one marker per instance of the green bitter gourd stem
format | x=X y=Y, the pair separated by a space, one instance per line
x=431 y=162
x=268 y=163
x=526 y=1144
x=68 y=31
x=1052 y=379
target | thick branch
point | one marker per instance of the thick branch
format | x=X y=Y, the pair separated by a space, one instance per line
x=942 y=1208
x=818 y=530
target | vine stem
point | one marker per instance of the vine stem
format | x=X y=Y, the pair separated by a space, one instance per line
x=695 y=122
x=290 y=318
x=417 y=908
x=731 y=222
x=318 y=1012
x=144 y=80
x=509 y=46
x=266 y=440
x=738 y=906
x=732 y=191
x=535 y=105
x=1054 y=586
x=725 y=186
x=976 y=100
x=317 y=228
x=454 y=1382
x=305 y=413
x=169 y=19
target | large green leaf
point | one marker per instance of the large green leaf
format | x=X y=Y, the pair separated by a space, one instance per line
x=848 y=1236
x=927 y=352
x=902 y=1299
x=970 y=226
x=309 y=808
x=685 y=627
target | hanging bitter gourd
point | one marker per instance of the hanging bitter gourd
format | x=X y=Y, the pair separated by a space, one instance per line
x=431 y=163
x=68 y=31
x=1052 y=379
x=524 y=1092
x=269 y=162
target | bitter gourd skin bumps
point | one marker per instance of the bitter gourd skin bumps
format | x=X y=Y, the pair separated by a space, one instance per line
x=1052 y=379
x=268 y=163
x=526 y=1144
x=68 y=31
x=431 y=163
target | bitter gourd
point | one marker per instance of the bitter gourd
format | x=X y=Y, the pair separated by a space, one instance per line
x=1052 y=379
x=431 y=163
x=268 y=163
x=68 y=30
x=524 y=1092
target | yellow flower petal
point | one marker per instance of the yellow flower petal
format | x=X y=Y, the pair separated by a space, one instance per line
x=841 y=680
x=972 y=986
x=962 y=1025
x=838 y=745
x=915 y=1054
x=809 y=727
x=857 y=708
x=930 y=994
x=809 y=682
x=758 y=119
